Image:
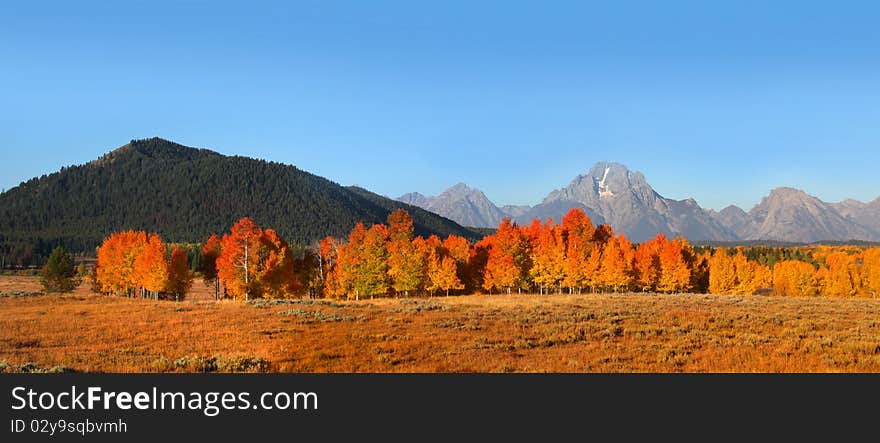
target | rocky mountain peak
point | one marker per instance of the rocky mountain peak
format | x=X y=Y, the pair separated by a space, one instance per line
x=461 y=203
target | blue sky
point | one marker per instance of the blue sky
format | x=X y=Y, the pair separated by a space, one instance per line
x=720 y=102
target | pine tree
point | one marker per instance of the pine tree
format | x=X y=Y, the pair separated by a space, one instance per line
x=180 y=278
x=59 y=274
x=208 y=263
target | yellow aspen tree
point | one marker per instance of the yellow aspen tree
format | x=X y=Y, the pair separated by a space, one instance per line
x=722 y=274
x=871 y=271
x=794 y=278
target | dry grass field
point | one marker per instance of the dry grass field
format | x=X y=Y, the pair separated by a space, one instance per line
x=478 y=333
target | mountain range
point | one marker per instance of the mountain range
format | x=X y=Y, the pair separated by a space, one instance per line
x=185 y=194
x=611 y=193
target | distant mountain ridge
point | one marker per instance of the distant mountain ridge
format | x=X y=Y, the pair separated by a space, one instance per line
x=789 y=214
x=464 y=205
x=610 y=193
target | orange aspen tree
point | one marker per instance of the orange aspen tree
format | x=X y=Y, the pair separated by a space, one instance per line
x=501 y=272
x=592 y=269
x=109 y=257
x=348 y=259
x=151 y=268
x=675 y=276
x=578 y=235
x=616 y=270
x=460 y=250
x=238 y=262
x=457 y=247
x=115 y=268
x=548 y=257
x=505 y=267
x=647 y=263
x=276 y=275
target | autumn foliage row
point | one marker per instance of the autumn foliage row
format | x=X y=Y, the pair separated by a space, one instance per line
x=574 y=256
x=134 y=263
x=387 y=259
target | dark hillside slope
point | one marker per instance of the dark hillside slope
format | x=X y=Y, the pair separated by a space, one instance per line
x=185 y=194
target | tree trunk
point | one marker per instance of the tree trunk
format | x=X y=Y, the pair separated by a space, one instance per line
x=246 y=276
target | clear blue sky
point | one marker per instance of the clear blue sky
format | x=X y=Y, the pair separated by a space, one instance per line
x=720 y=102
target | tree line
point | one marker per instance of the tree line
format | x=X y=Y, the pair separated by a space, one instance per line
x=388 y=259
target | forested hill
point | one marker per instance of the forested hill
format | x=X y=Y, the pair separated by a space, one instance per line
x=185 y=194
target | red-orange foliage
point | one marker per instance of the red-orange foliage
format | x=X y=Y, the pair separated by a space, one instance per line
x=647 y=263
x=548 y=257
x=675 y=276
x=133 y=262
x=115 y=269
x=616 y=271
x=239 y=259
x=276 y=275
x=540 y=257
x=457 y=247
x=508 y=257
x=579 y=238
x=150 y=266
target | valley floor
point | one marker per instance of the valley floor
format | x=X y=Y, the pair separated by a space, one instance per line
x=475 y=333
